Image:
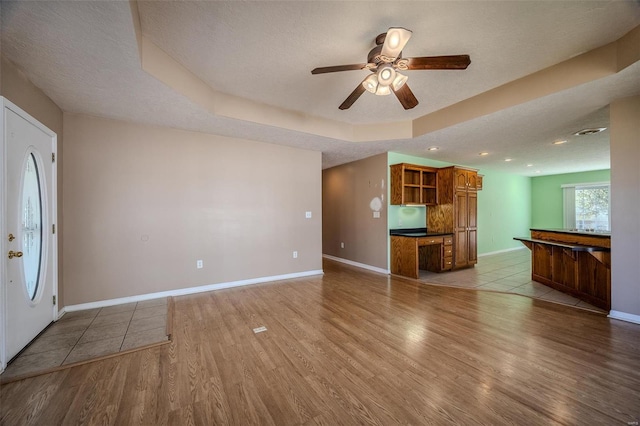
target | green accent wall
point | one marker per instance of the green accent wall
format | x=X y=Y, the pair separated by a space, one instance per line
x=546 y=195
x=504 y=211
x=504 y=207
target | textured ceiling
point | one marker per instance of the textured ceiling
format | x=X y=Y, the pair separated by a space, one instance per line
x=84 y=56
x=265 y=50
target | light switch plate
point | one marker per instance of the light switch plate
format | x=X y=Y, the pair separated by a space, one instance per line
x=376 y=215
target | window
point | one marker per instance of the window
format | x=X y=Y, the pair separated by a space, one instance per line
x=587 y=206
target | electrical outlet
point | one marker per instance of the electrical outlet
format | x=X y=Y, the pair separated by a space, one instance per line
x=199 y=264
x=341 y=245
x=399 y=222
x=376 y=215
x=295 y=254
x=307 y=215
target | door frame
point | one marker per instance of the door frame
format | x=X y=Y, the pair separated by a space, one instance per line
x=6 y=104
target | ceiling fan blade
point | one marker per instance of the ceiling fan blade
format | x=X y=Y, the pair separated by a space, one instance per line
x=453 y=62
x=394 y=42
x=352 y=97
x=353 y=67
x=406 y=96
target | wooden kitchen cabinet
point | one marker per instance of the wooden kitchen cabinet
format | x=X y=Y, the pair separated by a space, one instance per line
x=466 y=179
x=457 y=213
x=413 y=184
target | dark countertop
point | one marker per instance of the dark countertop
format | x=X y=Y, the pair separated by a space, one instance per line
x=572 y=247
x=415 y=233
x=604 y=234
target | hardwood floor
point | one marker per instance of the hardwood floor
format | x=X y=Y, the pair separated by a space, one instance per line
x=354 y=347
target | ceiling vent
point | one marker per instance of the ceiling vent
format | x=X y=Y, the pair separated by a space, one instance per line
x=592 y=131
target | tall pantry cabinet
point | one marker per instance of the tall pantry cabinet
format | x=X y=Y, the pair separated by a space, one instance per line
x=457 y=212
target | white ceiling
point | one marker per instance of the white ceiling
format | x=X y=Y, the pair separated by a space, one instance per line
x=83 y=54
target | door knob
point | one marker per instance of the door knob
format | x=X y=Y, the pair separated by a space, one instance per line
x=11 y=237
x=13 y=254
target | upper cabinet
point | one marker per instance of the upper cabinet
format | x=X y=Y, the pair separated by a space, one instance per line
x=412 y=184
x=466 y=180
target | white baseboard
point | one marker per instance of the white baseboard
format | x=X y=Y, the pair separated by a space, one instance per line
x=61 y=312
x=357 y=264
x=623 y=316
x=503 y=251
x=184 y=291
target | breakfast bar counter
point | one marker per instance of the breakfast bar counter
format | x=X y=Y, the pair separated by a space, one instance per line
x=572 y=261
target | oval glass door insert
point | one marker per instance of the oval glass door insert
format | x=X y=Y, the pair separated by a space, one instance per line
x=31 y=226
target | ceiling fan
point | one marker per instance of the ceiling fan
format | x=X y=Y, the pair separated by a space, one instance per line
x=385 y=61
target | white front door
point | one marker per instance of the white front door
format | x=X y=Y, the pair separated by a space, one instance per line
x=29 y=208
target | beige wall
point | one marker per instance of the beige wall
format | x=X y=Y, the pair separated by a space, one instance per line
x=625 y=205
x=15 y=86
x=143 y=203
x=347 y=217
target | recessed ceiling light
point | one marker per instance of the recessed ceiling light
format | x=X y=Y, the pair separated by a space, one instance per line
x=507 y=159
x=529 y=165
x=433 y=148
x=590 y=131
x=560 y=142
x=482 y=154
x=537 y=171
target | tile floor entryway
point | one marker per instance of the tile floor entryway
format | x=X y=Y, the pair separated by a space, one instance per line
x=508 y=272
x=82 y=335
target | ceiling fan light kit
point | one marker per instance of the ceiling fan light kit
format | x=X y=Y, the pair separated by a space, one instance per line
x=386 y=74
x=399 y=81
x=394 y=42
x=385 y=60
x=371 y=83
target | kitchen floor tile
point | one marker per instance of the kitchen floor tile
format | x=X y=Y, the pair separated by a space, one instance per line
x=506 y=272
x=532 y=289
x=557 y=296
x=497 y=286
x=54 y=342
x=152 y=302
x=95 y=349
x=109 y=310
x=76 y=315
x=148 y=323
x=41 y=361
x=112 y=318
x=142 y=338
x=65 y=327
x=108 y=331
x=82 y=335
x=152 y=311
